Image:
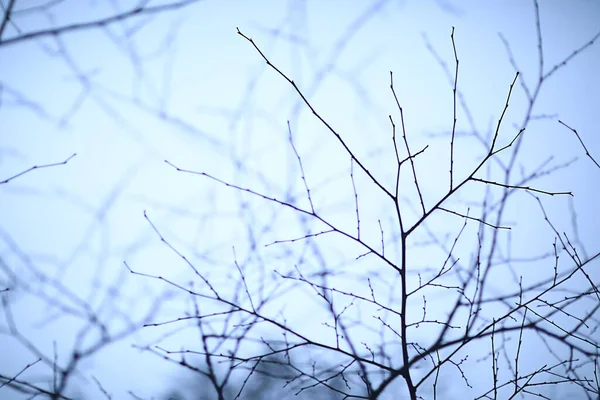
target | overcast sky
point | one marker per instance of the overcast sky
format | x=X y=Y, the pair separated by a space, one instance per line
x=184 y=86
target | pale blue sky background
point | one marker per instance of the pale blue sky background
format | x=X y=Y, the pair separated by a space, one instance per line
x=100 y=93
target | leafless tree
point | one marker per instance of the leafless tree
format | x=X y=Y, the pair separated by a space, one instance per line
x=375 y=283
x=98 y=318
x=391 y=327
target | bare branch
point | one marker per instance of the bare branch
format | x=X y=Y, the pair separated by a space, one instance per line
x=37 y=167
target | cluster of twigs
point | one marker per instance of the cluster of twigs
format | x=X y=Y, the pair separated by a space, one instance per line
x=551 y=314
x=398 y=332
x=95 y=326
x=536 y=314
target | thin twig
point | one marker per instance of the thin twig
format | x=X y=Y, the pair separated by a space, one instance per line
x=37 y=167
x=587 y=153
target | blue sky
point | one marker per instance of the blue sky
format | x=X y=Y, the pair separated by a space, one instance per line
x=183 y=86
